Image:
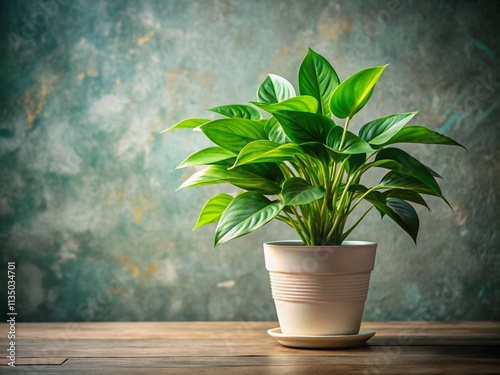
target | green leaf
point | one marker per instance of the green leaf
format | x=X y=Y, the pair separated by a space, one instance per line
x=275 y=132
x=400 y=211
x=399 y=180
x=317 y=150
x=189 y=123
x=213 y=209
x=242 y=177
x=238 y=111
x=267 y=151
x=411 y=166
x=233 y=134
x=421 y=134
x=406 y=182
x=408 y=195
x=297 y=191
x=302 y=103
x=352 y=94
x=246 y=213
x=207 y=156
x=275 y=89
x=303 y=127
x=404 y=215
x=393 y=165
x=269 y=171
x=318 y=79
x=354 y=163
x=352 y=143
x=379 y=131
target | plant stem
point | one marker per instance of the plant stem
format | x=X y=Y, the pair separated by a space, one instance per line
x=362 y=196
x=341 y=204
x=301 y=223
x=287 y=172
x=296 y=228
x=348 y=232
x=346 y=125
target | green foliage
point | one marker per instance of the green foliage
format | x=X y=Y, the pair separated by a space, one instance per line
x=299 y=167
x=238 y=111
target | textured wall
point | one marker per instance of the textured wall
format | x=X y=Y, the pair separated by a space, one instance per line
x=87 y=203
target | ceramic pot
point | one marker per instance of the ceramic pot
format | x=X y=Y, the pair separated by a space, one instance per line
x=319 y=290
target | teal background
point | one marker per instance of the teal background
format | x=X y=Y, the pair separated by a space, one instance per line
x=87 y=204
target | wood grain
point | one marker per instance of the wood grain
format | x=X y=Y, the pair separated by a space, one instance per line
x=245 y=347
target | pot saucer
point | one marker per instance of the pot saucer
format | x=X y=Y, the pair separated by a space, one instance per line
x=323 y=341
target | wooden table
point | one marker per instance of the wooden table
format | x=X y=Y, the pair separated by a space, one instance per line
x=245 y=348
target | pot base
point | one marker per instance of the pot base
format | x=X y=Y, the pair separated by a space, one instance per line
x=319 y=319
x=323 y=341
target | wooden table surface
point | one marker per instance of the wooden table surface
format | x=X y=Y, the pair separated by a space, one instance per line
x=245 y=348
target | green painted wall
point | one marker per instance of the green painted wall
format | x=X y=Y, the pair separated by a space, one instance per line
x=87 y=203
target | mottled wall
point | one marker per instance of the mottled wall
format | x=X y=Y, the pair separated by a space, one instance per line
x=87 y=201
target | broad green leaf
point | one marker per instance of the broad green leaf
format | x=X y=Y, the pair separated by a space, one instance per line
x=421 y=134
x=302 y=103
x=394 y=165
x=400 y=211
x=407 y=195
x=297 y=191
x=399 y=180
x=404 y=215
x=358 y=188
x=318 y=79
x=275 y=132
x=354 y=163
x=246 y=213
x=352 y=94
x=189 y=123
x=275 y=89
x=394 y=180
x=269 y=171
x=207 y=156
x=242 y=177
x=233 y=134
x=213 y=209
x=267 y=151
x=411 y=165
x=379 y=131
x=352 y=143
x=317 y=150
x=238 y=111
x=303 y=127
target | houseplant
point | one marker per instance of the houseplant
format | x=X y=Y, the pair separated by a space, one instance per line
x=299 y=167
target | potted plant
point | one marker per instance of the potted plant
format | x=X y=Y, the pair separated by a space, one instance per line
x=300 y=167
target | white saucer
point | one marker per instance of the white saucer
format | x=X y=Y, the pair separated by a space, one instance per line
x=322 y=342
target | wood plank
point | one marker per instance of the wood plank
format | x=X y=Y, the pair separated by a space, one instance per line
x=186 y=348
x=206 y=330
x=431 y=355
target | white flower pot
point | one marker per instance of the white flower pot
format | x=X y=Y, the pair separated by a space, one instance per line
x=319 y=290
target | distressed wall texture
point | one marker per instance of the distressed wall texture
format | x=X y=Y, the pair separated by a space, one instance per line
x=87 y=203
